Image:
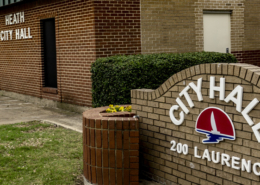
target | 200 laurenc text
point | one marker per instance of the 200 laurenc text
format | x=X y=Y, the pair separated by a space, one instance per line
x=218 y=158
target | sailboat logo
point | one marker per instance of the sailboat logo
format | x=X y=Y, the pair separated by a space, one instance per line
x=216 y=124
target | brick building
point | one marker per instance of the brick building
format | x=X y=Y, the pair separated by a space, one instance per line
x=83 y=30
x=47 y=47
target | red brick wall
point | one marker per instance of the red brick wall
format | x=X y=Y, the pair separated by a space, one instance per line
x=85 y=30
x=251 y=57
x=117 y=24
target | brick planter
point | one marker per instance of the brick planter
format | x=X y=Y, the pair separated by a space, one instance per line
x=110 y=147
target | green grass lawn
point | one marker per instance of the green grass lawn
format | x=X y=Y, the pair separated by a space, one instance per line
x=39 y=153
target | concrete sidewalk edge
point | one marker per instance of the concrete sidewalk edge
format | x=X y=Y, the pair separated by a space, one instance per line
x=45 y=102
x=61 y=125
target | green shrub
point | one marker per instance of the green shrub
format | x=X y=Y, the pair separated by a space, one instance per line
x=114 y=77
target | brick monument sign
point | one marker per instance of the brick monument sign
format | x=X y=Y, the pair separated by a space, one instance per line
x=202 y=126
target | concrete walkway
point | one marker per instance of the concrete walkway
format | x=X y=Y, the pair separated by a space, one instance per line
x=16 y=111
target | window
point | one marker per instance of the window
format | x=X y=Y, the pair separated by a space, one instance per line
x=49 y=52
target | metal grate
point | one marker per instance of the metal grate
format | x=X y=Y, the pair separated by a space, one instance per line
x=217 y=11
x=8 y=2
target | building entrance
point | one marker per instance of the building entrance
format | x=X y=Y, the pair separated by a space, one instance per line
x=49 y=53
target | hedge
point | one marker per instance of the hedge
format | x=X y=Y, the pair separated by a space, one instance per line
x=113 y=77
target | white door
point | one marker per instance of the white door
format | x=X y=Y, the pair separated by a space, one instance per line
x=217 y=31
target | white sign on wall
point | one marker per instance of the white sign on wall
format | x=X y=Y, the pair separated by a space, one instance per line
x=20 y=33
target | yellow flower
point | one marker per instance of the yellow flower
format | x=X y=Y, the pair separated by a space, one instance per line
x=128 y=108
x=117 y=108
x=109 y=110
